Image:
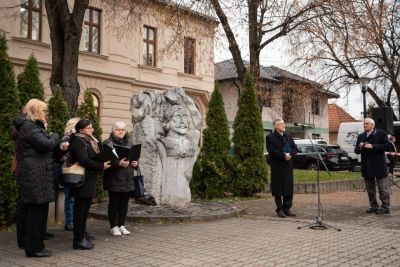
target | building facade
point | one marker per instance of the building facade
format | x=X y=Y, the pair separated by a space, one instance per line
x=285 y=95
x=337 y=115
x=120 y=56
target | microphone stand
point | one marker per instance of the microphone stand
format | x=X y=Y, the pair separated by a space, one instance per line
x=318 y=224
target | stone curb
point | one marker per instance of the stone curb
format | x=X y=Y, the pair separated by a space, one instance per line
x=237 y=212
x=327 y=187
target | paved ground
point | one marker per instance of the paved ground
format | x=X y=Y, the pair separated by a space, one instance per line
x=256 y=239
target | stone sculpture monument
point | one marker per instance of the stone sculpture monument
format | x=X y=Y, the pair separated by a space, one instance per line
x=168 y=125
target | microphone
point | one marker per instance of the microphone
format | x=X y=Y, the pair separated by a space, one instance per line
x=302 y=125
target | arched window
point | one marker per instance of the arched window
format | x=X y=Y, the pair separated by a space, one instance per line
x=96 y=103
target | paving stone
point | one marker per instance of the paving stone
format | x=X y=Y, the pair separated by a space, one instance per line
x=256 y=239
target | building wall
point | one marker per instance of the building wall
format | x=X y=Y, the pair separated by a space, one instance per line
x=118 y=71
x=333 y=137
x=301 y=110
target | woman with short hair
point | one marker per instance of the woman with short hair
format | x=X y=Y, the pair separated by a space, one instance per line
x=35 y=149
x=118 y=180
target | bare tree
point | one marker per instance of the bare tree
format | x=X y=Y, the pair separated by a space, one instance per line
x=267 y=20
x=354 y=39
x=65 y=33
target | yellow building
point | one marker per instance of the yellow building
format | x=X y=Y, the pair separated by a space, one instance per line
x=120 y=58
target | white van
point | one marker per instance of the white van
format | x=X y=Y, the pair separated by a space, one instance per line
x=347 y=138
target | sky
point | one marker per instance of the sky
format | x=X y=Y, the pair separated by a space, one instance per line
x=276 y=54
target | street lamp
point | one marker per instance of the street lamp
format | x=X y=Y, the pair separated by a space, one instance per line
x=363 y=81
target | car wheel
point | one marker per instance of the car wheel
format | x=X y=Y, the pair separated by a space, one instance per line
x=312 y=166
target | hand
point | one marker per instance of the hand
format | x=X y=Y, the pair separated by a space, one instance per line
x=361 y=145
x=288 y=157
x=368 y=146
x=64 y=146
x=134 y=164
x=107 y=165
x=123 y=163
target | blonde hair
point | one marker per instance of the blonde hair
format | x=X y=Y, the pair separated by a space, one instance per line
x=33 y=108
x=70 y=126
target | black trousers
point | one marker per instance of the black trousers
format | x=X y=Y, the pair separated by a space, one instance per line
x=31 y=226
x=283 y=203
x=81 y=211
x=392 y=160
x=117 y=208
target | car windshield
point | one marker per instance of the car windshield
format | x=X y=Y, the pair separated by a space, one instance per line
x=309 y=149
x=333 y=149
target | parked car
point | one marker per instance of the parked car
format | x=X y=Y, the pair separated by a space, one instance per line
x=333 y=156
x=336 y=158
x=316 y=141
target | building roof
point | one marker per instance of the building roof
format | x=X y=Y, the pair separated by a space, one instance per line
x=189 y=10
x=337 y=115
x=226 y=70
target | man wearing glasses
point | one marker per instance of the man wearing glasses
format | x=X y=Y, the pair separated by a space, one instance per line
x=281 y=149
x=372 y=145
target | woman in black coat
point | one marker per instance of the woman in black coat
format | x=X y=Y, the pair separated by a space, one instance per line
x=118 y=180
x=35 y=149
x=82 y=149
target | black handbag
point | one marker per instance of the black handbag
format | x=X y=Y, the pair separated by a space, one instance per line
x=139 y=184
x=73 y=176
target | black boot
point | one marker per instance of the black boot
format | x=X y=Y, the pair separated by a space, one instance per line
x=83 y=245
x=43 y=253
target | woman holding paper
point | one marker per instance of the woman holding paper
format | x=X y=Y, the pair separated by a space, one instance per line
x=84 y=147
x=119 y=181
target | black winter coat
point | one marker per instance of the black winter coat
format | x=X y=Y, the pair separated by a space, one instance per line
x=116 y=178
x=35 y=150
x=82 y=152
x=373 y=161
x=281 y=170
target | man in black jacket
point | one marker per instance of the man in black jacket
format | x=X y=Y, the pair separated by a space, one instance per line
x=281 y=148
x=372 y=145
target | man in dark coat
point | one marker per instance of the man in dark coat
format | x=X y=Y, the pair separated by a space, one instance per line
x=281 y=149
x=372 y=145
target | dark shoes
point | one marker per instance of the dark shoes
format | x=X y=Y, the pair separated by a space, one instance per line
x=290 y=214
x=40 y=254
x=84 y=245
x=378 y=211
x=89 y=237
x=281 y=213
x=372 y=210
x=382 y=211
x=284 y=214
x=68 y=227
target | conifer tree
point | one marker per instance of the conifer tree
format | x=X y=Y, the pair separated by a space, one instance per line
x=211 y=170
x=29 y=84
x=87 y=110
x=9 y=107
x=58 y=113
x=248 y=143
